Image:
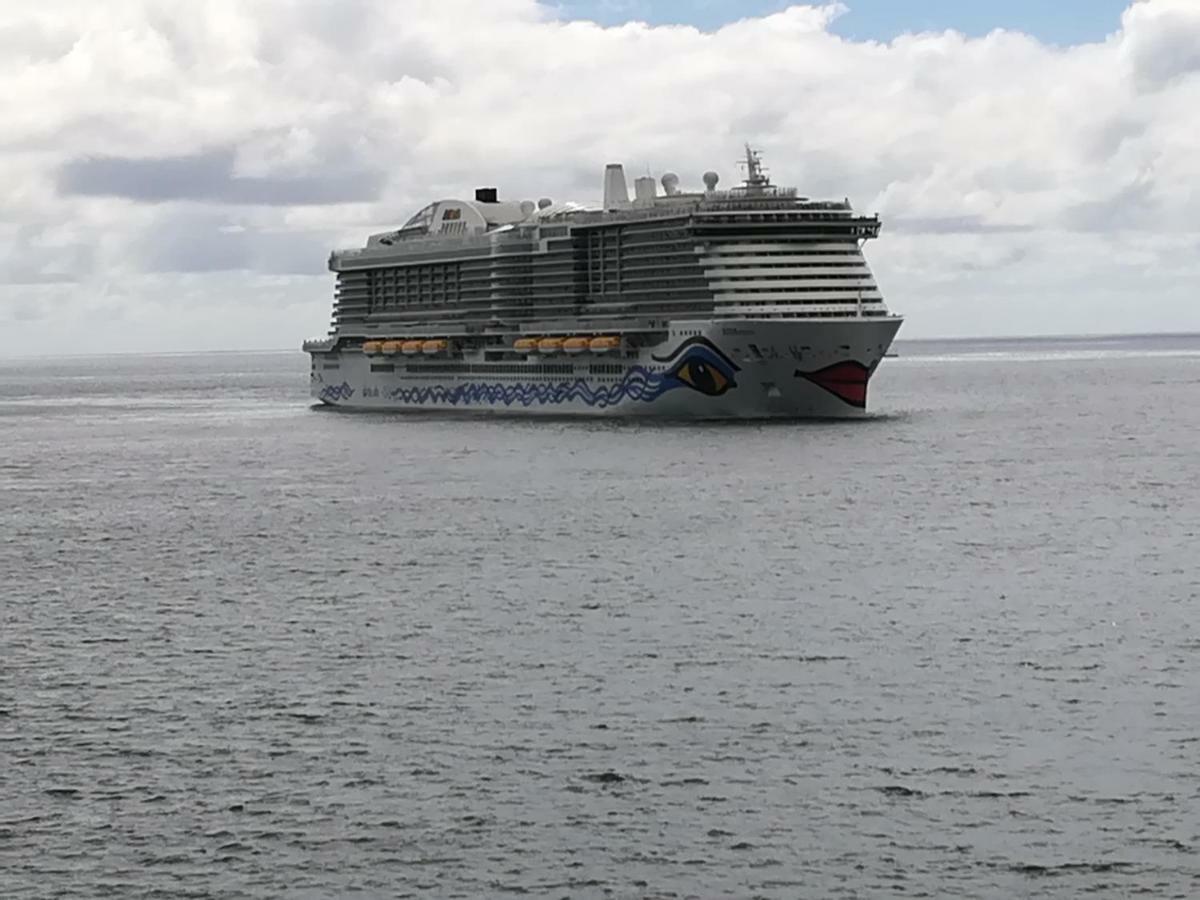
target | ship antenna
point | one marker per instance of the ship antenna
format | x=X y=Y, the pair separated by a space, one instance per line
x=755 y=173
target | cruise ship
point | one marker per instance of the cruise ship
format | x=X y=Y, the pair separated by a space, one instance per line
x=747 y=303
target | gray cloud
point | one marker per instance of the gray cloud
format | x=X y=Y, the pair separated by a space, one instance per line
x=1163 y=48
x=1108 y=134
x=763 y=121
x=189 y=243
x=1003 y=259
x=209 y=176
x=1130 y=207
x=20 y=274
x=29 y=312
x=292 y=253
x=35 y=258
x=195 y=244
x=34 y=42
x=954 y=225
x=1015 y=176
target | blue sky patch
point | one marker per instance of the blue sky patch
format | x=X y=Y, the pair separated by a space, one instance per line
x=1058 y=22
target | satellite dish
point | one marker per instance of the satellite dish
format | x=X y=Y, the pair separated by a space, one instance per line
x=544 y=202
x=710 y=180
x=670 y=183
x=526 y=208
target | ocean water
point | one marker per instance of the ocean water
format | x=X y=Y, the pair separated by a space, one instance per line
x=249 y=649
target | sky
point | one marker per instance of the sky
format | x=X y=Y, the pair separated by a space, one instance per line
x=175 y=175
x=1061 y=22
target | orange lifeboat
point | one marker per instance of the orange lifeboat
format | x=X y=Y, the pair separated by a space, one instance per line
x=576 y=344
x=430 y=348
x=525 y=345
x=391 y=348
x=411 y=348
x=604 y=344
x=550 y=345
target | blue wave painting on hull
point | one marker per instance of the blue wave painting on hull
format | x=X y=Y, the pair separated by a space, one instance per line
x=698 y=365
x=638 y=384
x=332 y=393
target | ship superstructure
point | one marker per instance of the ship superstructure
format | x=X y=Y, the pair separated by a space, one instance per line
x=749 y=302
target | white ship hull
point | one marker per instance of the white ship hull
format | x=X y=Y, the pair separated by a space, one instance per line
x=723 y=369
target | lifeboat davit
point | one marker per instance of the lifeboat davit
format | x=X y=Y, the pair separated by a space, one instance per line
x=604 y=344
x=575 y=344
x=372 y=346
x=525 y=345
x=550 y=345
x=410 y=348
x=429 y=348
x=391 y=348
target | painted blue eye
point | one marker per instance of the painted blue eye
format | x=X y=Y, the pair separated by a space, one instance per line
x=704 y=377
x=700 y=365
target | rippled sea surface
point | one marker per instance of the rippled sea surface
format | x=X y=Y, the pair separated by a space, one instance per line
x=252 y=649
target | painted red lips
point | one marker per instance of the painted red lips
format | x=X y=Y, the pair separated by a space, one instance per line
x=845 y=380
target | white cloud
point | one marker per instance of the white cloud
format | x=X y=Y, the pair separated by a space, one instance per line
x=173 y=170
x=1163 y=41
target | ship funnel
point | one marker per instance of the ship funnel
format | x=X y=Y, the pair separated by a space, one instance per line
x=644 y=191
x=616 y=189
x=670 y=183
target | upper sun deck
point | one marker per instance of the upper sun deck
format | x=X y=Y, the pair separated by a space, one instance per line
x=486 y=224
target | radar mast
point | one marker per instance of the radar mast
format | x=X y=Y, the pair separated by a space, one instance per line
x=756 y=174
